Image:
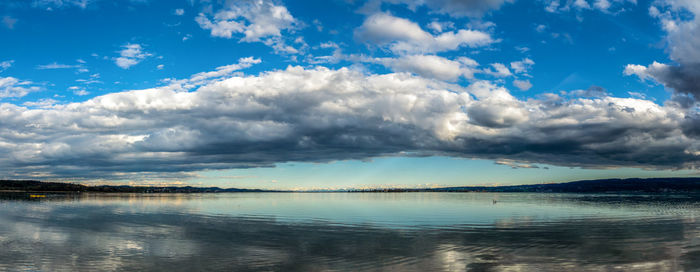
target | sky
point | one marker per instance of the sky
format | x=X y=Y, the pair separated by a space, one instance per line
x=348 y=93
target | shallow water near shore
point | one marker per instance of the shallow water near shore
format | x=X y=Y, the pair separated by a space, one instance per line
x=349 y=231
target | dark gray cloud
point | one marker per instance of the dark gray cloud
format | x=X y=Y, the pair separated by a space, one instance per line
x=323 y=115
x=691 y=125
x=684 y=78
x=454 y=8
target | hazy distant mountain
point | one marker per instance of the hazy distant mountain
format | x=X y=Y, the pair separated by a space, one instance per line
x=649 y=185
x=38 y=186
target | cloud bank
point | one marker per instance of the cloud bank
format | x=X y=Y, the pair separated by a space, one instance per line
x=227 y=119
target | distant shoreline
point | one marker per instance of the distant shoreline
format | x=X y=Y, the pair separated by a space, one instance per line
x=630 y=185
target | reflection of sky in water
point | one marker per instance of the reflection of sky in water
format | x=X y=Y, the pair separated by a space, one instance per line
x=404 y=231
x=389 y=209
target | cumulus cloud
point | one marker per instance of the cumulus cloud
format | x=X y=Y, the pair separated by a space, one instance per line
x=258 y=21
x=522 y=66
x=130 y=55
x=12 y=87
x=682 y=33
x=431 y=66
x=684 y=78
x=179 y=12
x=321 y=115
x=406 y=37
x=498 y=70
x=683 y=38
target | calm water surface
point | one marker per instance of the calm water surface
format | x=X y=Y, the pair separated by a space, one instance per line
x=349 y=231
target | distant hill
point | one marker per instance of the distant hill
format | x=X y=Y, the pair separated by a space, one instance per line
x=38 y=186
x=638 y=185
x=648 y=185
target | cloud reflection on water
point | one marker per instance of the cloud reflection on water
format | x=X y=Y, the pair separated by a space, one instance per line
x=100 y=233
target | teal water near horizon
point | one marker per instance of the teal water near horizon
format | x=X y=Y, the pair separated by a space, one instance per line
x=349 y=232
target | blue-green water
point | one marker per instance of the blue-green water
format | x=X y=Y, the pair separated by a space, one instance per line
x=349 y=232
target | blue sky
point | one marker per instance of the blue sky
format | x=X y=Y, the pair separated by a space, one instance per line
x=337 y=94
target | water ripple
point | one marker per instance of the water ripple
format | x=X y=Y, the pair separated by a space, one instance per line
x=355 y=232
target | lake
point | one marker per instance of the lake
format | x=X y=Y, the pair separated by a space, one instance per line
x=349 y=232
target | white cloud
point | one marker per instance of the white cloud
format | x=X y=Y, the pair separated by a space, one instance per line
x=9 y=22
x=179 y=12
x=406 y=37
x=641 y=71
x=160 y=66
x=602 y=5
x=683 y=32
x=637 y=95
x=329 y=44
x=522 y=66
x=5 y=64
x=130 y=55
x=540 y=28
x=42 y=103
x=581 y=4
x=12 y=87
x=498 y=70
x=258 y=21
x=81 y=92
x=384 y=28
x=552 y=6
x=55 y=65
x=223 y=71
x=522 y=49
x=431 y=66
x=439 y=27
x=523 y=85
